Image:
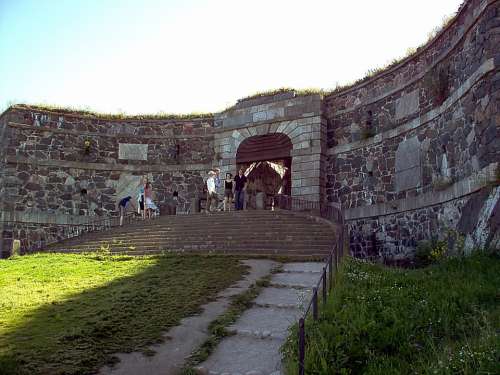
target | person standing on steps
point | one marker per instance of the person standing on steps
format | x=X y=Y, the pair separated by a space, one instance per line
x=220 y=203
x=239 y=190
x=211 y=191
x=148 y=200
x=141 y=199
x=228 y=192
x=123 y=204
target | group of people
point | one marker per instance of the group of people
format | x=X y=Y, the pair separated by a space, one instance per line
x=145 y=204
x=234 y=188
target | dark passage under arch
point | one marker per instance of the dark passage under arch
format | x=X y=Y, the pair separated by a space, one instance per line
x=267 y=161
x=264 y=148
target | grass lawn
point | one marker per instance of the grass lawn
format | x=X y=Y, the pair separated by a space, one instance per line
x=68 y=314
x=443 y=319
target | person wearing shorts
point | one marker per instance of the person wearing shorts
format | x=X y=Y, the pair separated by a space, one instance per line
x=228 y=192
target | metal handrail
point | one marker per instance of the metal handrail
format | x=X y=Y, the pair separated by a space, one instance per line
x=334 y=215
x=329 y=266
x=68 y=231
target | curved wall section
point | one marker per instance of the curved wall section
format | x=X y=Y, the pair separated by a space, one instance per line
x=410 y=154
x=414 y=148
x=61 y=168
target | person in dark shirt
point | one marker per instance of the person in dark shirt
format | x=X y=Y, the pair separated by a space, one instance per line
x=228 y=192
x=124 y=202
x=239 y=190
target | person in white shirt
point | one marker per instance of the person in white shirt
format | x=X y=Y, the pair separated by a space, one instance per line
x=211 y=191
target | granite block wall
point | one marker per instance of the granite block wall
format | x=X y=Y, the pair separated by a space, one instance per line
x=406 y=154
x=419 y=138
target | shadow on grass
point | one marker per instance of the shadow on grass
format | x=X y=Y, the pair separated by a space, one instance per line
x=81 y=333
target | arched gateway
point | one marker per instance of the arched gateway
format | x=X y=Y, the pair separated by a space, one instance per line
x=278 y=136
x=267 y=162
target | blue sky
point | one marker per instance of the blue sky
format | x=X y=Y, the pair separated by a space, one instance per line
x=197 y=55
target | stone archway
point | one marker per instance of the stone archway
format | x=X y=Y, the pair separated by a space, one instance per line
x=267 y=162
x=298 y=119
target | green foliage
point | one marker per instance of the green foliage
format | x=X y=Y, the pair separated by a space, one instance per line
x=430 y=252
x=87 y=112
x=68 y=314
x=442 y=319
x=367 y=133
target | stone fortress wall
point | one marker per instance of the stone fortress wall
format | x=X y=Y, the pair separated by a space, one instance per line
x=408 y=154
x=411 y=149
x=48 y=177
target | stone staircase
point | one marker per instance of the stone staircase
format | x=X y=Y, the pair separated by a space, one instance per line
x=239 y=232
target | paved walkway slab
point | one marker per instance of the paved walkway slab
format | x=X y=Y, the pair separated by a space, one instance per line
x=261 y=330
x=296 y=279
x=266 y=322
x=283 y=297
x=303 y=267
x=182 y=340
x=242 y=354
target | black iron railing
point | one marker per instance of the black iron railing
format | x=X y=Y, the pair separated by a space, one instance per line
x=324 y=286
x=326 y=281
x=286 y=202
x=53 y=233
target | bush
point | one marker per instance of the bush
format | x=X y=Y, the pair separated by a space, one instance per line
x=430 y=252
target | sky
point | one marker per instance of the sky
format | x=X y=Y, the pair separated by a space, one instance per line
x=183 y=56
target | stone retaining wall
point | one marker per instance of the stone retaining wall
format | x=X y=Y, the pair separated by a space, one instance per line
x=406 y=154
x=418 y=130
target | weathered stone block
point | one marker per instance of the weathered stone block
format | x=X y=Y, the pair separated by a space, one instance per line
x=130 y=151
x=408 y=104
x=408 y=165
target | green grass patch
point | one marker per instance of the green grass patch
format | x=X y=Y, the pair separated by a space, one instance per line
x=89 y=113
x=443 y=319
x=68 y=314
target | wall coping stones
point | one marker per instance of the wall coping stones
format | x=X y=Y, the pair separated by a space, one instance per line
x=476 y=16
x=117 y=136
x=459 y=189
x=487 y=67
x=109 y=167
x=290 y=109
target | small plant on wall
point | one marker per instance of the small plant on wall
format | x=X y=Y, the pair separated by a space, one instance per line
x=437 y=83
x=86 y=146
x=367 y=133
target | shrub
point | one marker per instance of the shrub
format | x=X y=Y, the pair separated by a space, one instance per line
x=430 y=252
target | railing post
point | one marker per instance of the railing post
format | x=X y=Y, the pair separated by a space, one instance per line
x=315 y=303
x=324 y=285
x=330 y=267
x=302 y=346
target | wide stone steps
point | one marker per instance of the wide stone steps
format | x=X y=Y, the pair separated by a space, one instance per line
x=248 y=232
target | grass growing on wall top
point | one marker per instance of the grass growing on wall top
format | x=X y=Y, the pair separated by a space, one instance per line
x=73 y=111
x=68 y=314
x=442 y=319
